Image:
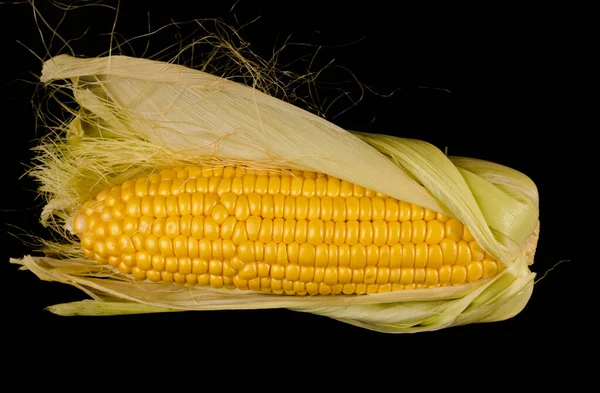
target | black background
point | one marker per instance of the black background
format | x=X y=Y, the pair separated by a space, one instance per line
x=492 y=83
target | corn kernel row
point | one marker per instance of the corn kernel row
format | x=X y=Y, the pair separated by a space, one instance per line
x=266 y=206
x=237 y=274
x=143 y=248
x=314 y=231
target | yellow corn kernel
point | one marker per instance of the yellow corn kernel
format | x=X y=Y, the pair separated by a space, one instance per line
x=171 y=264
x=326 y=208
x=253 y=224
x=185 y=225
x=416 y=212
x=306 y=254
x=339 y=233
x=292 y=272
x=315 y=231
x=237 y=185
x=358 y=256
x=216 y=249
x=344 y=274
x=366 y=232
x=203 y=279
x=463 y=253
x=458 y=275
x=197 y=228
x=344 y=255
x=408 y=255
x=407 y=276
x=321 y=186
x=435 y=232
x=277 y=272
x=248 y=272
x=436 y=257
x=404 y=211
x=449 y=251
x=394 y=232
x=255 y=203
x=332 y=256
x=314 y=208
x=383 y=275
x=379 y=232
x=228 y=248
x=467 y=236
x=419 y=230
x=333 y=187
x=454 y=229
x=474 y=271
x=219 y=214
x=180 y=246
x=324 y=289
x=378 y=208
x=278 y=230
x=293 y=250
x=421 y=255
x=328 y=236
x=384 y=255
x=289 y=209
x=477 y=253
x=331 y=275
x=352 y=232
x=265 y=233
x=267 y=206
x=490 y=268
x=307 y=274
x=406 y=232
x=431 y=277
x=205 y=248
x=242 y=208
x=301 y=231
x=192 y=247
x=372 y=255
x=246 y=251
x=442 y=217
x=339 y=209
x=396 y=255
x=289 y=231
x=197 y=204
x=171 y=227
x=274 y=184
x=309 y=187
x=346 y=189
x=282 y=257
x=249 y=181
x=227 y=228
x=429 y=215
x=392 y=210
x=211 y=229
x=352 y=208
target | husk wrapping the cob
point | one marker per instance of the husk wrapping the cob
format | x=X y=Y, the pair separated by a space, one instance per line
x=136 y=116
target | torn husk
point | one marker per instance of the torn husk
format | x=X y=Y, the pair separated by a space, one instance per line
x=137 y=116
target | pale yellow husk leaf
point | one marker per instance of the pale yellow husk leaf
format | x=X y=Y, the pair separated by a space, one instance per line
x=139 y=115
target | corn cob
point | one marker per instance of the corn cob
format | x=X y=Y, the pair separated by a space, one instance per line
x=295 y=233
x=188 y=192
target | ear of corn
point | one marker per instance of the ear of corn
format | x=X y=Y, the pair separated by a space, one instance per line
x=175 y=179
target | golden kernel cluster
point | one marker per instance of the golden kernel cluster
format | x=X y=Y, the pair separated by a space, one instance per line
x=293 y=233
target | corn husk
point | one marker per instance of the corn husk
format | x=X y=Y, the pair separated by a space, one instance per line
x=135 y=116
